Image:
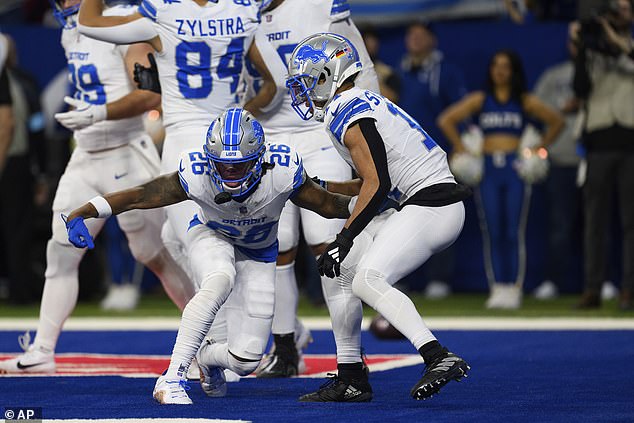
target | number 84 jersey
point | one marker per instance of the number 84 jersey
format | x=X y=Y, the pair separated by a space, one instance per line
x=414 y=160
x=251 y=225
x=203 y=55
x=98 y=75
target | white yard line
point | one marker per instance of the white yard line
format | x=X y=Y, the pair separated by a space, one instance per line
x=141 y=420
x=435 y=323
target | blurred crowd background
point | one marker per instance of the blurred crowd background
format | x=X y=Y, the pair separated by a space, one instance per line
x=428 y=55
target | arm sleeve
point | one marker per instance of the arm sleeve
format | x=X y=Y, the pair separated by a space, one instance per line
x=367 y=79
x=5 y=93
x=131 y=32
x=379 y=157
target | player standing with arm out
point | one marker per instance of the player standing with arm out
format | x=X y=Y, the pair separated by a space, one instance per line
x=200 y=47
x=232 y=244
x=282 y=28
x=391 y=154
x=113 y=152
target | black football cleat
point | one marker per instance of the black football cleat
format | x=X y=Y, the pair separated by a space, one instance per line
x=437 y=374
x=336 y=390
x=278 y=366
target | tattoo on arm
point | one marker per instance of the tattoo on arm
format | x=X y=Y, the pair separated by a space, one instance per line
x=313 y=197
x=159 y=192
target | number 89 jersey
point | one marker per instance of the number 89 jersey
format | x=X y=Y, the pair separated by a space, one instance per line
x=203 y=54
x=414 y=159
x=98 y=75
x=251 y=225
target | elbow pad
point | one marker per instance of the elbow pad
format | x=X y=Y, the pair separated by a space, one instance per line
x=128 y=33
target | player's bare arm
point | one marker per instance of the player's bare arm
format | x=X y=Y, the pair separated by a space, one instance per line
x=258 y=104
x=448 y=121
x=127 y=29
x=138 y=101
x=554 y=120
x=313 y=197
x=351 y=187
x=159 y=192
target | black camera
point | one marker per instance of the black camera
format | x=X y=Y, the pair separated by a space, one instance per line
x=592 y=35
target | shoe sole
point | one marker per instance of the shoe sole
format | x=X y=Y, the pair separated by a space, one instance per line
x=159 y=396
x=364 y=397
x=426 y=391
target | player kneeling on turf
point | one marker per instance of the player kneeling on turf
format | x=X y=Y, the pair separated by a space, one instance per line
x=240 y=185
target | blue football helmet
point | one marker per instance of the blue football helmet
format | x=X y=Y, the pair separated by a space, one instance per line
x=235 y=152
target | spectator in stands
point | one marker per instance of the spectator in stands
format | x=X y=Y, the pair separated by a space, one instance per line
x=430 y=85
x=389 y=81
x=6 y=111
x=16 y=191
x=503 y=195
x=554 y=88
x=604 y=78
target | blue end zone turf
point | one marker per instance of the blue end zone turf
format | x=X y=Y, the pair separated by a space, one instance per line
x=524 y=376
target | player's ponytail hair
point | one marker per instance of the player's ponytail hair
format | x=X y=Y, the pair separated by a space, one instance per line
x=518 y=77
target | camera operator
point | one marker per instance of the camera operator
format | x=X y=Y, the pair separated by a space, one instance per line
x=604 y=79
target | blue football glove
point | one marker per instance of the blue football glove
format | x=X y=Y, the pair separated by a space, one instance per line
x=78 y=234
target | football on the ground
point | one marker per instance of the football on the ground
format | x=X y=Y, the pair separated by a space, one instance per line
x=383 y=329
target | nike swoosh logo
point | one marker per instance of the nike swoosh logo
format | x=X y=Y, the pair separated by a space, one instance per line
x=120 y=176
x=336 y=110
x=327 y=148
x=181 y=167
x=27 y=366
x=298 y=159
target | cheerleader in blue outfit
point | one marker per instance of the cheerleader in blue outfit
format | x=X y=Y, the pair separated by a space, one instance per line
x=503 y=195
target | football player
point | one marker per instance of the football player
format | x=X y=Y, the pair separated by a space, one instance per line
x=240 y=186
x=282 y=28
x=392 y=154
x=200 y=48
x=113 y=152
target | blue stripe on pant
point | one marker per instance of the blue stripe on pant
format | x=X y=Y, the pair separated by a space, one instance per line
x=503 y=201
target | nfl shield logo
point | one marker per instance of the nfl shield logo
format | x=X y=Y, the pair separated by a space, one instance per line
x=243 y=210
x=269 y=18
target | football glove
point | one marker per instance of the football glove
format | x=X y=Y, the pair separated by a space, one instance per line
x=84 y=114
x=78 y=234
x=329 y=263
x=147 y=78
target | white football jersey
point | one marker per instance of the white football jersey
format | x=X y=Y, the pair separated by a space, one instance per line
x=414 y=159
x=253 y=223
x=98 y=75
x=285 y=27
x=203 y=53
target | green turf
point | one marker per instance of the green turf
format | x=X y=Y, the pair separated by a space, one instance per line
x=456 y=305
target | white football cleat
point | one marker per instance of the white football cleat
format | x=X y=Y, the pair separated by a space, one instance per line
x=212 y=379
x=171 y=391
x=34 y=360
x=547 y=290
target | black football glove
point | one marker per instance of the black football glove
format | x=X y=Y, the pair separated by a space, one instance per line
x=329 y=263
x=147 y=78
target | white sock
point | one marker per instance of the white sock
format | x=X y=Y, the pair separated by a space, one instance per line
x=396 y=307
x=60 y=293
x=286 y=298
x=346 y=313
x=197 y=318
